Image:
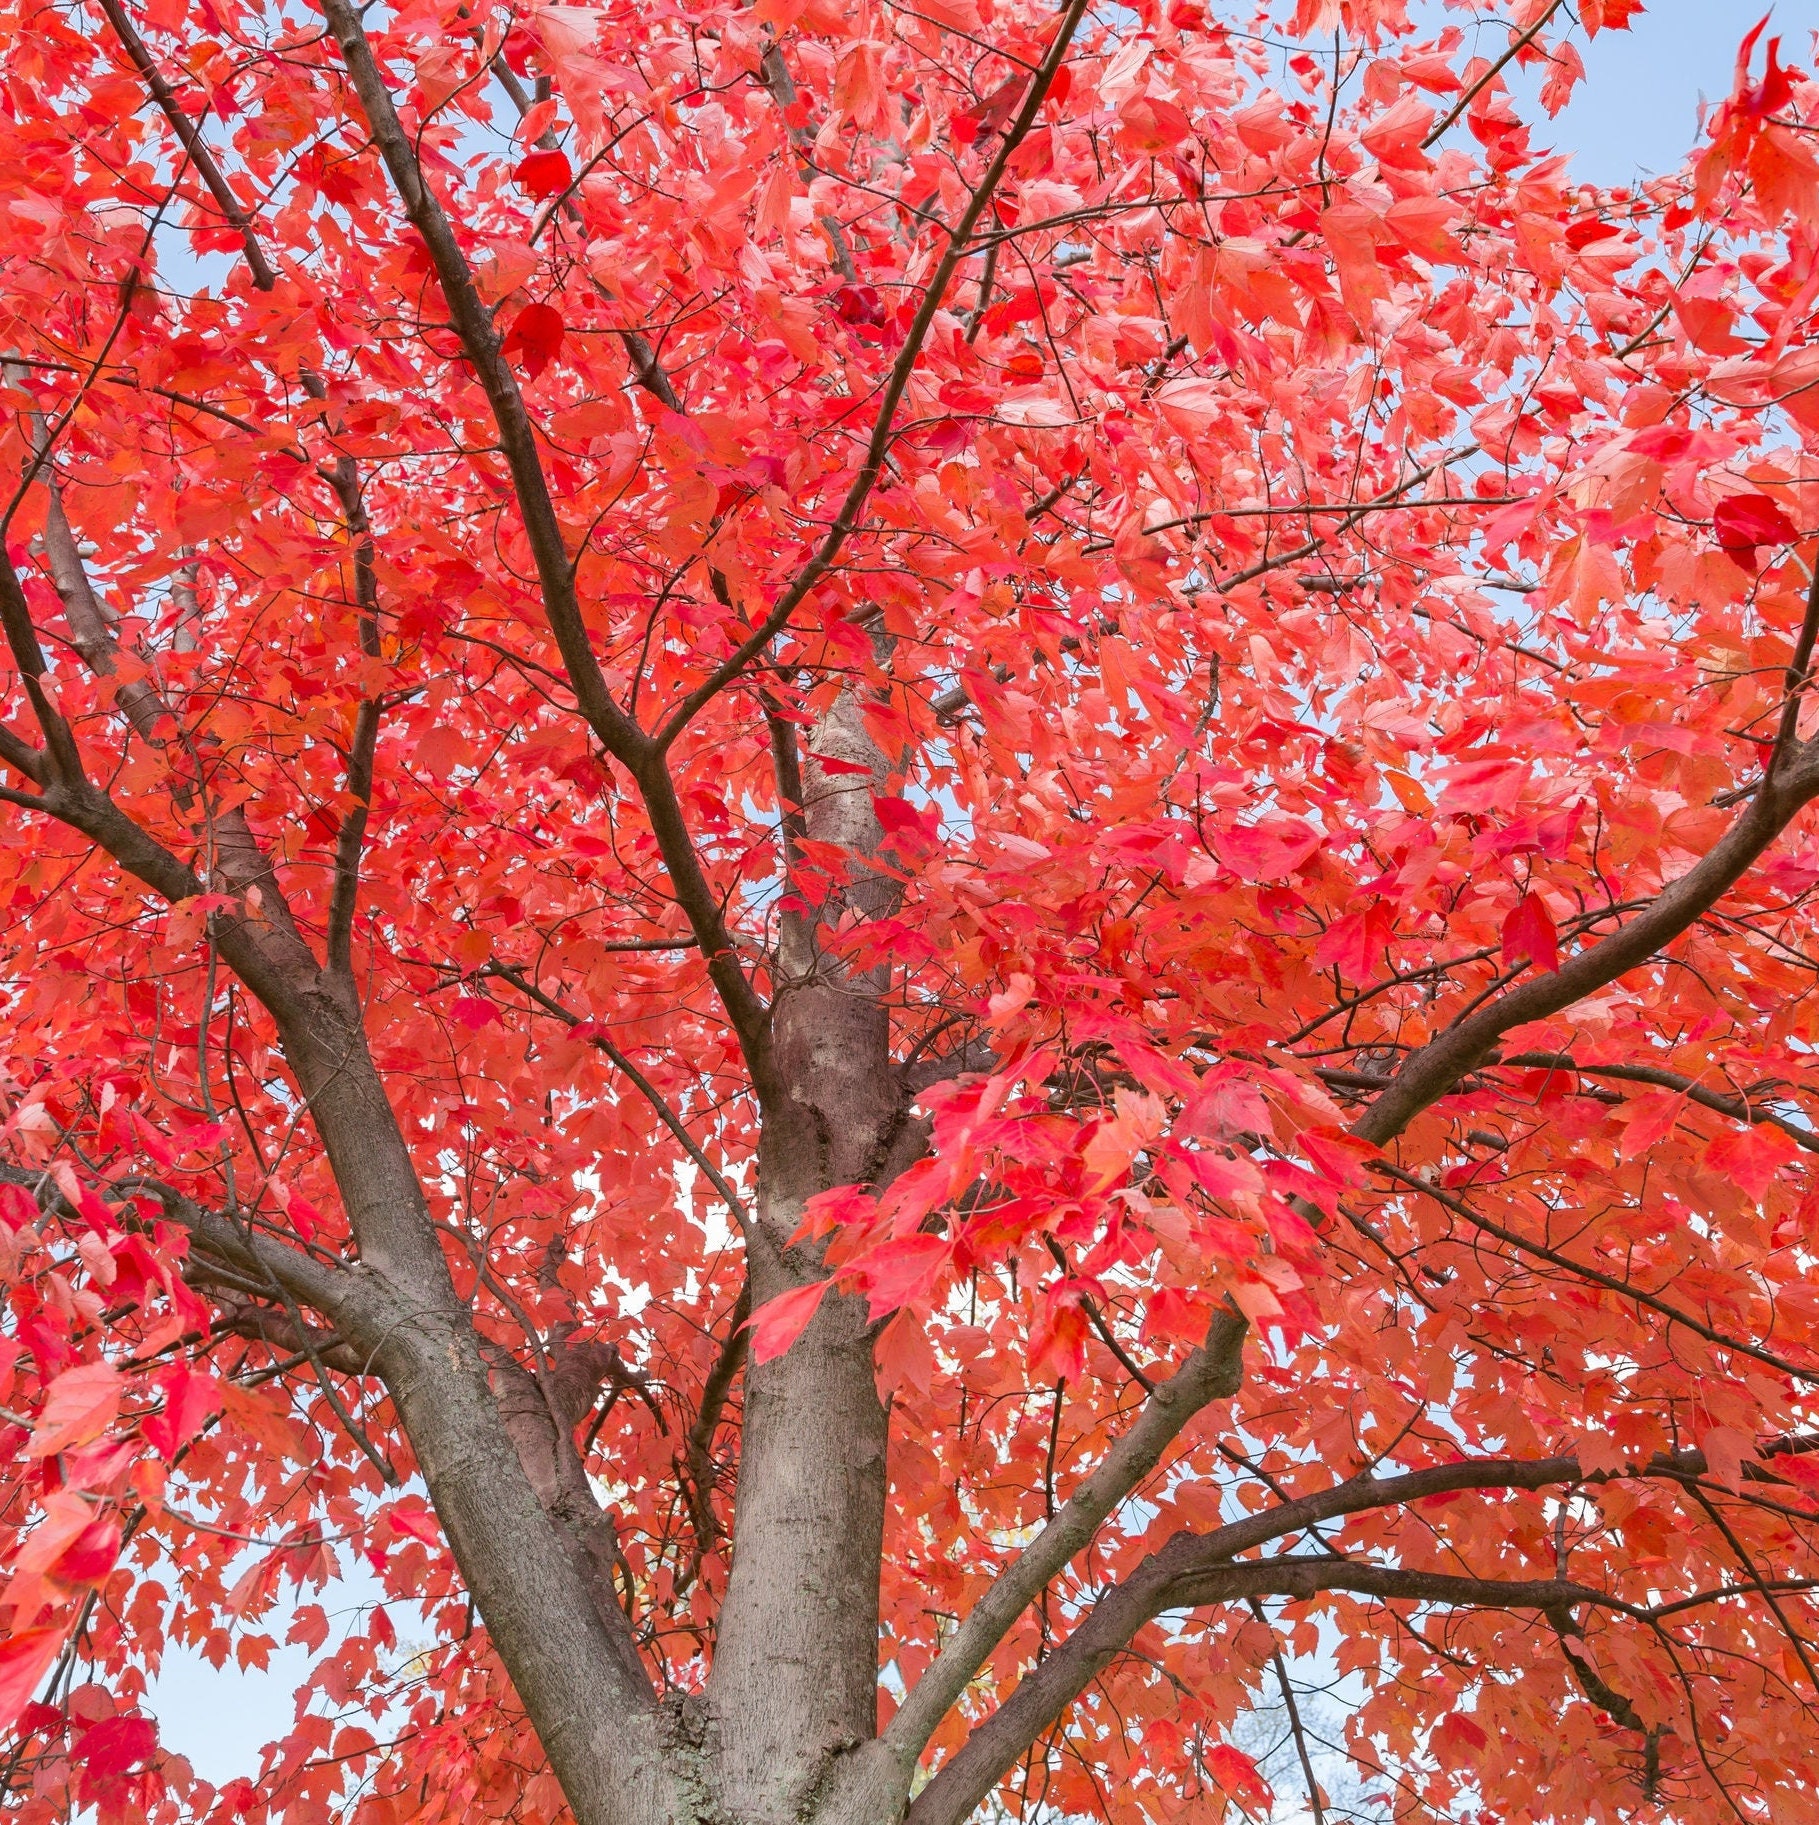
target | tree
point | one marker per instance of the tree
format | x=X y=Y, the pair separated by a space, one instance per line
x=904 y=877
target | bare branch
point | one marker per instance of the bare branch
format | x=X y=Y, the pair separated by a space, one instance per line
x=1517 y=46
x=647 y=370
x=1293 y=1708
x=699 y=1448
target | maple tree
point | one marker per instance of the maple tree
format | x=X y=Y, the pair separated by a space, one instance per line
x=905 y=881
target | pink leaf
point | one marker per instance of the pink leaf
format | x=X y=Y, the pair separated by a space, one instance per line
x=416 y=1522
x=25 y=1656
x=896 y=1272
x=112 y=1747
x=1268 y=850
x=80 y=1406
x=1239 y=1776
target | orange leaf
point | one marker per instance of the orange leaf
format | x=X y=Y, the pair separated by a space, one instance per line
x=1751 y=1157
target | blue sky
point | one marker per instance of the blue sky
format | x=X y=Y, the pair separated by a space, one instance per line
x=1637 y=111
x=1638 y=107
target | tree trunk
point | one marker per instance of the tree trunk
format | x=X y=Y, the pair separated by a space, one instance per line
x=795 y=1676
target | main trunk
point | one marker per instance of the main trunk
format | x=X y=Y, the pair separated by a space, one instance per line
x=795 y=1675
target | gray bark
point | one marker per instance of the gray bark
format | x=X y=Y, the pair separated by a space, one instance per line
x=569 y=1653
x=795 y=1676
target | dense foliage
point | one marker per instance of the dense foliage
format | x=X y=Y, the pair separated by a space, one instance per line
x=1008 y=802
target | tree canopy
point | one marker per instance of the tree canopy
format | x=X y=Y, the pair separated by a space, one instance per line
x=909 y=882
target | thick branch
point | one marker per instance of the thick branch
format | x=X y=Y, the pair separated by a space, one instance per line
x=263 y=947
x=575 y=1669
x=244 y=1316
x=541 y=1409
x=618 y=733
x=260 y=1259
x=61 y=762
x=350 y=839
x=89 y=626
x=1591 y=1682
x=1192 y=1569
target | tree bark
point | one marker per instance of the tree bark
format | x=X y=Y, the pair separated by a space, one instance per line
x=795 y=1675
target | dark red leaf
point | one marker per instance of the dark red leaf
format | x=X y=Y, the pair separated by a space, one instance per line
x=780 y=1321
x=535 y=336
x=1744 y=521
x=544 y=174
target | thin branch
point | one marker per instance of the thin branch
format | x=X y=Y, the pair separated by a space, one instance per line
x=1517 y=46
x=351 y=838
x=646 y=368
x=506 y=972
x=1789 y=784
x=1210 y=1373
x=1097 y=1319
x=1738 y=1107
x=846 y=520
x=1294 y=1715
x=1768 y=1594
x=193 y=143
x=699 y=1447
x=1609 y=1282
